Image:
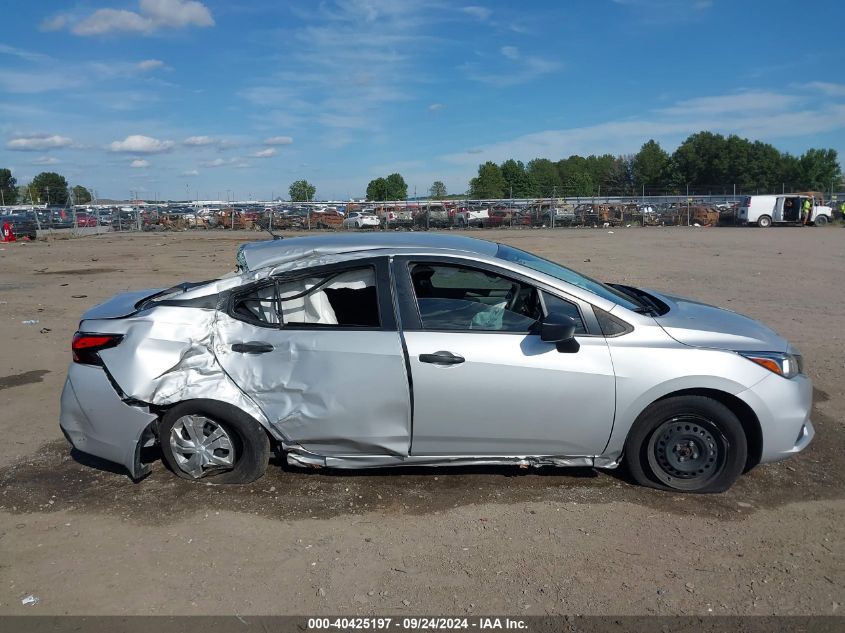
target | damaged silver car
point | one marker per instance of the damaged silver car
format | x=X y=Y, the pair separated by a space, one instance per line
x=376 y=350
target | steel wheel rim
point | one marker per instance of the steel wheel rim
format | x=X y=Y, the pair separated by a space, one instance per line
x=687 y=452
x=201 y=446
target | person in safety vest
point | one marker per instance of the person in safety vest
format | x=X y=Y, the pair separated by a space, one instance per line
x=807 y=207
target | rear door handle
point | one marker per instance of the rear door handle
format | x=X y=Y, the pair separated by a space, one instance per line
x=442 y=358
x=252 y=348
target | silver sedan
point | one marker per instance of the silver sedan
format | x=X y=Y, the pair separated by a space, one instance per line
x=378 y=350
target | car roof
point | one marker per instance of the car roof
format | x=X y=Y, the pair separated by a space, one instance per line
x=256 y=255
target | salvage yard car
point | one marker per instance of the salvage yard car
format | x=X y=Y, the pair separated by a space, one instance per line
x=361 y=220
x=482 y=353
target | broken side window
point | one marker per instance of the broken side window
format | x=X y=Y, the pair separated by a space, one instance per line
x=347 y=299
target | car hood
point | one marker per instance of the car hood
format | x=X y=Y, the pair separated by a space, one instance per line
x=120 y=305
x=701 y=325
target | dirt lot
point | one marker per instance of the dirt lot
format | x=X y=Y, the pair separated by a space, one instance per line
x=85 y=539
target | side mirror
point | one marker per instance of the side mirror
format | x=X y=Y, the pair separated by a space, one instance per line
x=561 y=332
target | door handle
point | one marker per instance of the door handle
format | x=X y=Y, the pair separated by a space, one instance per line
x=252 y=348
x=442 y=358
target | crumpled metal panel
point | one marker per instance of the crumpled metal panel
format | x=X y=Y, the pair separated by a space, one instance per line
x=167 y=357
x=296 y=456
x=331 y=391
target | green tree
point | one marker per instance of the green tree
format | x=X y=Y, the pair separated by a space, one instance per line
x=650 y=167
x=81 y=195
x=489 y=184
x=819 y=169
x=377 y=190
x=544 y=176
x=49 y=187
x=302 y=191
x=8 y=187
x=575 y=175
x=396 y=187
x=765 y=165
x=702 y=161
x=437 y=190
x=517 y=181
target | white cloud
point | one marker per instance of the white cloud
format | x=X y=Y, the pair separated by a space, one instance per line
x=30 y=56
x=480 y=13
x=434 y=107
x=217 y=162
x=151 y=16
x=38 y=142
x=150 y=64
x=670 y=126
x=826 y=88
x=140 y=144
x=278 y=140
x=139 y=163
x=740 y=102
x=265 y=153
x=46 y=160
x=39 y=80
x=54 y=23
x=199 y=141
x=177 y=13
x=190 y=173
x=518 y=69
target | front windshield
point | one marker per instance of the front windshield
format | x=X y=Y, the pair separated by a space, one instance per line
x=557 y=271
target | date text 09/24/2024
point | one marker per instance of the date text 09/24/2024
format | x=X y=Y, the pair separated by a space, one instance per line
x=415 y=623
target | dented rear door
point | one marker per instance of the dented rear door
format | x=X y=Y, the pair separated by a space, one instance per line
x=330 y=388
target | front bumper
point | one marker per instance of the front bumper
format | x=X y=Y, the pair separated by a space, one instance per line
x=783 y=408
x=96 y=421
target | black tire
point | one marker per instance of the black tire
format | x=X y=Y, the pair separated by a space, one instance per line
x=764 y=221
x=250 y=441
x=821 y=220
x=686 y=444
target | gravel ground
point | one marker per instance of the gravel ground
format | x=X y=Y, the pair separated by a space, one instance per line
x=82 y=537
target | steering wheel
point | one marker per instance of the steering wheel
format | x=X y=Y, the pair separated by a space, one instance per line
x=513 y=297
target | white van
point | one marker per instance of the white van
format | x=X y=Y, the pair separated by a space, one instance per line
x=781 y=209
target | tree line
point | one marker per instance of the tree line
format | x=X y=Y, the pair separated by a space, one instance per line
x=48 y=187
x=706 y=163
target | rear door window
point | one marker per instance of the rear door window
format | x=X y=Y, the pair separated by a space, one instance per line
x=339 y=299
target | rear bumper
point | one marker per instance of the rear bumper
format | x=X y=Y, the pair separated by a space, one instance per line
x=783 y=409
x=96 y=421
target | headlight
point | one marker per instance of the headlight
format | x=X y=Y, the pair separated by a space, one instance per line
x=786 y=365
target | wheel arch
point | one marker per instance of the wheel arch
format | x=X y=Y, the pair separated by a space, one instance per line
x=261 y=421
x=745 y=414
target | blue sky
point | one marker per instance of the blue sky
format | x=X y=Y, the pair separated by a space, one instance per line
x=168 y=96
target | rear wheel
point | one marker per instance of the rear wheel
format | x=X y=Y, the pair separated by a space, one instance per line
x=764 y=221
x=207 y=439
x=686 y=443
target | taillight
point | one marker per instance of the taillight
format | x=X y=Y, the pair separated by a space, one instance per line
x=86 y=347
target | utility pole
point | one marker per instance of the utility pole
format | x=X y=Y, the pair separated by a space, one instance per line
x=688 y=204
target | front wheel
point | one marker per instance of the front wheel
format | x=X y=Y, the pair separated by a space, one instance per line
x=820 y=220
x=688 y=444
x=208 y=439
x=764 y=221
